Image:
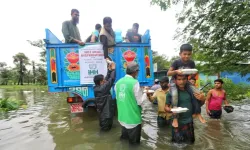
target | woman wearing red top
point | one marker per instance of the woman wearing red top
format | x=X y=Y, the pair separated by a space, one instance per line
x=215 y=98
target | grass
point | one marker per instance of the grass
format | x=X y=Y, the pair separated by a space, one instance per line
x=17 y=87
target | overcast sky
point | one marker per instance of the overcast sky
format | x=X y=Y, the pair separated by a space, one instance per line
x=23 y=20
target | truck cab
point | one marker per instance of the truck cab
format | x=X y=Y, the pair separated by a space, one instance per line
x=71 y=68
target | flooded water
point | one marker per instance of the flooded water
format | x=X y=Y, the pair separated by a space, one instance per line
x=48 y=125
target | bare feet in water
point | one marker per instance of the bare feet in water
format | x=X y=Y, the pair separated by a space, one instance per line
x=202 y=120
x=175 y=123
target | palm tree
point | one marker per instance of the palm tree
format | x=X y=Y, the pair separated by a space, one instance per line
x=21 y=61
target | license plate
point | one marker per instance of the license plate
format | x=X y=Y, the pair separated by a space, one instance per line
x=76 y=107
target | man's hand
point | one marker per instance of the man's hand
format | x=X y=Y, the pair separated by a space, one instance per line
x=167 y=108
x=81 y=43
x=200 y=96
x=112 y=66
x=208 y=111
x=179 y=72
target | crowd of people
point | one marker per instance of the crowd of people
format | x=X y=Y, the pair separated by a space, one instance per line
x=179 y=91
x=104 y=35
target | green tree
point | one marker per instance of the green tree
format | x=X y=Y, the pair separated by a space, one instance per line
x=163 y=62
x=21 y=61
x=4 y=71
x=219 y=31
x=40 y=72
x=33 y=71
x=40 y=44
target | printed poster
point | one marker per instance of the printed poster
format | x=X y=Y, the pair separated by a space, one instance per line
x=92 y=62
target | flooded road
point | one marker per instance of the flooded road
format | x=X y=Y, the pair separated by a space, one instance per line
x=48 y=125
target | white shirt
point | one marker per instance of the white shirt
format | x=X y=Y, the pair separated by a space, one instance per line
x=138 y=96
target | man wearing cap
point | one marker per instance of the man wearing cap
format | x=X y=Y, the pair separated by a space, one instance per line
x=156 y=85
x=129 y=101
x=163 y=118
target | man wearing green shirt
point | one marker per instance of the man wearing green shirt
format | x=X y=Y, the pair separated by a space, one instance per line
x=185 y=130
x=70 y=30
x=129 y=100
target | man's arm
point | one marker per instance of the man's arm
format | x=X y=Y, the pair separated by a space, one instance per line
x=106 y=87
x=209 y=94
x=225 y=100
x=108 y=74
x=152 y=98
x=172 y=71
x=126 y=38
x=104 y=41
x=110 y=79
x=200 y=96
x=138 y=94
x=168 y=103
x=93 y=38
x=65 y=31
x=140 y=38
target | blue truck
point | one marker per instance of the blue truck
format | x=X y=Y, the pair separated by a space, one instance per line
x=67 y=67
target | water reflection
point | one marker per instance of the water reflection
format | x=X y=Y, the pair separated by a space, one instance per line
x=47 y=124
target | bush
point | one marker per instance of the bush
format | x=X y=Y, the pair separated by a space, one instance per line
x=10 y=104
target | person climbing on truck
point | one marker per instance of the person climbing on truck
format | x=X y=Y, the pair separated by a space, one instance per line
x=70 y=30
x=184 y=63
x=107 y=37
x=103 y=98
x=94 y=37
x=132 y=34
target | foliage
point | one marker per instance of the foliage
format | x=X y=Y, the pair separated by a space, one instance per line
x=40 y=73
x=234 y=91
x=21 y=61
x=25 y=87
x=40 y=44
x=219 y=31
x=163 y=62
x=10 y=104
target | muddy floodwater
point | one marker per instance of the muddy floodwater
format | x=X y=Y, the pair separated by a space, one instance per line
x=47 y=124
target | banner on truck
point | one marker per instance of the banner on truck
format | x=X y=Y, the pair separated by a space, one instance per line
x=92 y=62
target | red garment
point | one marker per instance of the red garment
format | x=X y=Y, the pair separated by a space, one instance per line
x=215 y=102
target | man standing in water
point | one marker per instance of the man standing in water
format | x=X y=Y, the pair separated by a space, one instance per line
x=156 y=85
x=70 y=30
x=103 y=98
x=185 y=130
x=163 y=118
x=129 y=100
x=215 y=98
x=107 y=37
